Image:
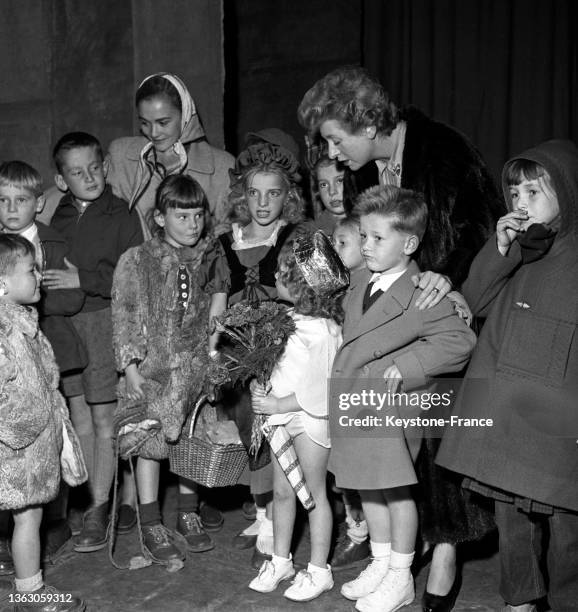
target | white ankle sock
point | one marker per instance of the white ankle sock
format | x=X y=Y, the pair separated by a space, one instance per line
x=320 y=571
x=265 y=541
x=281 y=561
x=380 y=551
x=400 y=563
x=29 y=584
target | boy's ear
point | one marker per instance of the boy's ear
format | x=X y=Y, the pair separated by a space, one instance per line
x=60 y=183
x=105 y=167
x=40 y=202
x=411 y=244
x=159 y=218
x=371 y=131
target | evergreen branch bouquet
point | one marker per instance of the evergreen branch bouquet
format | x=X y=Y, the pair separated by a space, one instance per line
x=253 y=339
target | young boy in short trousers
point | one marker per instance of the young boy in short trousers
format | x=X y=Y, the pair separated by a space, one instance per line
x=98 y=228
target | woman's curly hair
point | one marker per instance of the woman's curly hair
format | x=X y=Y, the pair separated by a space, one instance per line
x=265 y=157
x=307 y=302
x=350 y=96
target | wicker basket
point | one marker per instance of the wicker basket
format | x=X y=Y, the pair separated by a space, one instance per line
x=209 y=464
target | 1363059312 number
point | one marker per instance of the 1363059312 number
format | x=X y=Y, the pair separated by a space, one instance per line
x=40 y=597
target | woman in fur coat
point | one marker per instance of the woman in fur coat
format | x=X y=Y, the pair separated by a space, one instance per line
x=379 y=143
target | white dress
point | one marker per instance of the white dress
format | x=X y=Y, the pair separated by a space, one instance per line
x=304 y=369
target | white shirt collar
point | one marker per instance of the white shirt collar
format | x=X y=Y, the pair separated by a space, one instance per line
x=384 y=280
x=31 y=234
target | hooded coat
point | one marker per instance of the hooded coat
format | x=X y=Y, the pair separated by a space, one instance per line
x=131 y=163
x=524 y=371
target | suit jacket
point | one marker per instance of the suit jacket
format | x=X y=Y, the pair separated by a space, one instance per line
x=421 y=343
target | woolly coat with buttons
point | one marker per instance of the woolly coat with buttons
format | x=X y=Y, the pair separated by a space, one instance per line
x=31 y=411
x=160 y=314
x=524 y=372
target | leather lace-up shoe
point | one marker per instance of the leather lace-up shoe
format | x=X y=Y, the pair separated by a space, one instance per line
x=348 y=553
x=211 y=518
x=158 y=541
x=189 y=525
x=94 y=534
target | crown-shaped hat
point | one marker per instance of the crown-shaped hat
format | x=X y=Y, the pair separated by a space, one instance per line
x=320 y=264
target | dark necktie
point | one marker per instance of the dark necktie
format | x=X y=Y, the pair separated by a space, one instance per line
x=369 y=298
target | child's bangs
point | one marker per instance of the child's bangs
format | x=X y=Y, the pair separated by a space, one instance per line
x=186 y=203
x=180 y=191
x=20 y=175
x=524 y=170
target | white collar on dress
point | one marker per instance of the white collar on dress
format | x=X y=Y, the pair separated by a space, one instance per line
x=240 y=243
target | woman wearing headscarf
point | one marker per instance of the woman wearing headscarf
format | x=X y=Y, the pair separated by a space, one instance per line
x=173 y=141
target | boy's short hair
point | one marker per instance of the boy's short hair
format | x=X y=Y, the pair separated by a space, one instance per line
x=74 y=140
x=350 y=222
x=406 y=208
x=351 y=96
x=20 y=174
x=12 y=248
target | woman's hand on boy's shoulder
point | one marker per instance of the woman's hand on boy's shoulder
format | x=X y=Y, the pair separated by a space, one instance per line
x=433 y=287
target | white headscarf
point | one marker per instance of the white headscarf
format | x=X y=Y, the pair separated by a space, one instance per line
x=191 y=128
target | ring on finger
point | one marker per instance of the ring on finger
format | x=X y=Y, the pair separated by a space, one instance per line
x=435 y=290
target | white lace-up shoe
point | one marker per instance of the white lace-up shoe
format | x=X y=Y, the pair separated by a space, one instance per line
x=309 y=585
x=367 y=581
x=271 y=574
x=395 y=591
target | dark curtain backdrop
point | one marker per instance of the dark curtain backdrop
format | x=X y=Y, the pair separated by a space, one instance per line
x=68 y=65
x=274 y=51
x=504 y=72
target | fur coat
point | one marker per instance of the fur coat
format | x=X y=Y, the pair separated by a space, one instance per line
x=461 y=196
x=32 y=411
x=160 y=314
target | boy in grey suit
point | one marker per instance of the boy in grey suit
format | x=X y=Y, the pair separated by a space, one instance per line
x=387 y=337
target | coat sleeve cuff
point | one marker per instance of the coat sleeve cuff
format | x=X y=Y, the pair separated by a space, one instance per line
x=411 y=370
